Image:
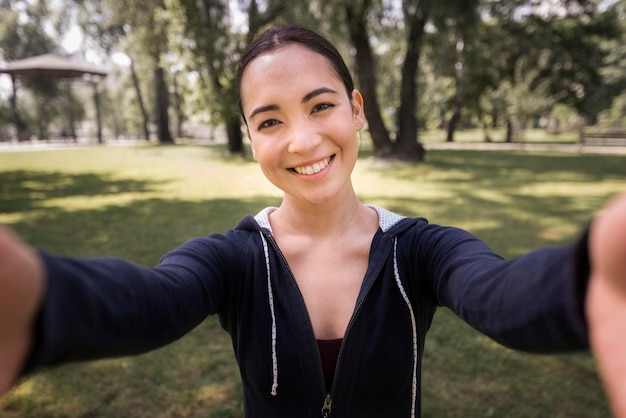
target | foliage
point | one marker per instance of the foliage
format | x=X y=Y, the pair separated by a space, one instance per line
x=24 y=29
x=614 y=116
x=215 y=44
x=212 y=55
x=140 y=29
x=522 y=101
x=29 y=29
x=430 y=64
x=520 y=48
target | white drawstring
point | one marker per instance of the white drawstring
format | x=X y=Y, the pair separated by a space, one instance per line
x=271 y=299
x=413 y=324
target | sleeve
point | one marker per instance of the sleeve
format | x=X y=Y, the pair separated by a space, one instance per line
x=107 y=307
x=534 y=302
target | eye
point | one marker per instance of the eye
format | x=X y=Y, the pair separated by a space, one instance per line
x=268 y=124
x=322 y=106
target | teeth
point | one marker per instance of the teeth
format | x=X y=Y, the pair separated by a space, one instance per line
x=312 y=169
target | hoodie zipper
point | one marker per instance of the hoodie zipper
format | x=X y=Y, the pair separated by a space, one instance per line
x=326 y=408
x=327 y=405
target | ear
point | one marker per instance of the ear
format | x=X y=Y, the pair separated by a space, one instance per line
x=357 y=110
x=251 y=143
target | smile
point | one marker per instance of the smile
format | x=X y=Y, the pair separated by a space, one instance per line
x=313 y=168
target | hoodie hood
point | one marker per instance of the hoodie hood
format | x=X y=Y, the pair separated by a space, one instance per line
x=387 y=221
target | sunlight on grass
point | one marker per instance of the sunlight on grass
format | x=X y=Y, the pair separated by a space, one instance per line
x=212 y=393
x=583 y=190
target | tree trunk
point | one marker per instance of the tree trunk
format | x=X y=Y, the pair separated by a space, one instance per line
x=235 y=138
x=162 y=104
x=178 y=106
x=367 y=78
x=142 y=106
x=460 y=89
x=20 y=126
x=407 y=146
x=41 y=126
x=70 y=109
x=509 y=130
x=96 y=101
x=483 y=121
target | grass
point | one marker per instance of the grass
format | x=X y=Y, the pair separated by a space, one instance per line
x=139 y=202
x=534 y=135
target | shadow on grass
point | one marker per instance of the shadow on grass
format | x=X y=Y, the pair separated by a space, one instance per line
x=130 y=222
x=514 y=201
x=522 y=224
x=514 y=167
x=23 y=190
x=141 y=231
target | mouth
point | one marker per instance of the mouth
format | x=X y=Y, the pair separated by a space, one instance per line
x=314 y=168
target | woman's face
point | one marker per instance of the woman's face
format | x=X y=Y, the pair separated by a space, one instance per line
x=301 y=122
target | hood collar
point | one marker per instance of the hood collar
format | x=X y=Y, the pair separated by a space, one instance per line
x=386 y=219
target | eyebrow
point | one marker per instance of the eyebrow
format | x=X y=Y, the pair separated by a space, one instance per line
x=307 y=97
x=262 y=109
x=317 y=92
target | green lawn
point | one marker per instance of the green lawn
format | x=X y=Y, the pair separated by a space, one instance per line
x=139 y=202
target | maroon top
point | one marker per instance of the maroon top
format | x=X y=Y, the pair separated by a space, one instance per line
x=329 y=352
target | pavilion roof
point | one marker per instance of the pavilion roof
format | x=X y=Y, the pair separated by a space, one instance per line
x=50 y=66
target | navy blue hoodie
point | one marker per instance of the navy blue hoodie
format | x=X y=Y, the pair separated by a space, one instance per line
x=107 y=307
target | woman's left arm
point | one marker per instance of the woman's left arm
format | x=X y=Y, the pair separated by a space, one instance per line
x=606 y=299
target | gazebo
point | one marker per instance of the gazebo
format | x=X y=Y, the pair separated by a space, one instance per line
x=52 y=66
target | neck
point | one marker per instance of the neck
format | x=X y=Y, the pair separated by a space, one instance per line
x=325 y=219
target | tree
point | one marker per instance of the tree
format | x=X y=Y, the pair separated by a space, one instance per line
x=551 y=51
x=575 y=69
x=28 y=29
x=140 y=102
x=412 y=19
x=140 y=29
x=216 y=45
x=215 y=50
x=416 y=14
x=454 y=35
x=357 y=21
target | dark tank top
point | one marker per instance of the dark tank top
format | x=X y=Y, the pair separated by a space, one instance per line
x=329 y=352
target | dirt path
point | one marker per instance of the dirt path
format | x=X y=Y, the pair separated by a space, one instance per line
x=521 y=146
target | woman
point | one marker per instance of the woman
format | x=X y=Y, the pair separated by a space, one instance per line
x=327 y=300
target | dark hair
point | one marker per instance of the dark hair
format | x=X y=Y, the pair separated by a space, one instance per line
x=281 y=36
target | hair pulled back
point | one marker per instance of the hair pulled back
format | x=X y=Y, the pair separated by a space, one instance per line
x=281 y=36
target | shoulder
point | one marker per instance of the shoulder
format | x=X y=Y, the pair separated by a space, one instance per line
x=227 y=247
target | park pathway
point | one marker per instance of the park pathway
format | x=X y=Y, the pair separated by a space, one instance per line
x=475 y=146
x=526 y=146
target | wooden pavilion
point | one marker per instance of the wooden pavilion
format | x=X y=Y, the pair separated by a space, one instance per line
x=53 y=66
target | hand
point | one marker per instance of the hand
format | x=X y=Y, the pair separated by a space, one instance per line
x=606 y=300
x=22 y=282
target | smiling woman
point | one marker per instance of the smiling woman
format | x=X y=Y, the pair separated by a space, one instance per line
x=303 y=128
x=327 y=300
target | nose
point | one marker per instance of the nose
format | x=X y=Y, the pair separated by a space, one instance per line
x=303 y=138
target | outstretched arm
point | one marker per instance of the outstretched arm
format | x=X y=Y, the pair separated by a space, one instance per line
x=606 y=299
x=22 y=285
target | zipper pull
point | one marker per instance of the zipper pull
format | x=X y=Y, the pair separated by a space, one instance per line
x=327 y=406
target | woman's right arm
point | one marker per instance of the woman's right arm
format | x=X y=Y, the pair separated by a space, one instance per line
x=56 y=309
x=22 y=284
